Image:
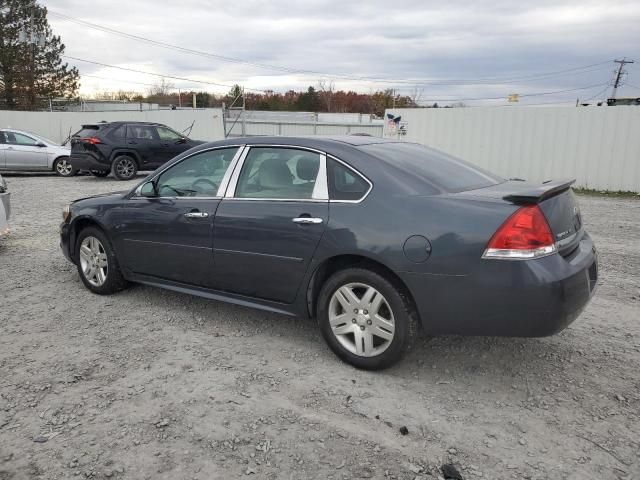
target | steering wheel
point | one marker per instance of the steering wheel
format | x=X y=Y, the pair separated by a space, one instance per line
x=204 y=185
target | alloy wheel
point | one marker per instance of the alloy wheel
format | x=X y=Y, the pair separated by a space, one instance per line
x=64 y=168
x=361 y=319
x=93 y=260
x=125 y=168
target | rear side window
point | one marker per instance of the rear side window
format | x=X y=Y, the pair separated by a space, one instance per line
x=118 y=132
x=344 y=183
x=436 y=168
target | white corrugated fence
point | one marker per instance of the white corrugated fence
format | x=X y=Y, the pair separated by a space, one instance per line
x=598 y=146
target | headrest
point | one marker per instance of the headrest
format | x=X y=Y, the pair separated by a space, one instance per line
x=307 y=167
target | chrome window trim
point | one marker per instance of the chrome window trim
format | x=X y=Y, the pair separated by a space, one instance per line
x=357 y=172
x=225 y=177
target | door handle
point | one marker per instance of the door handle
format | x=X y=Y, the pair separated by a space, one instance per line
x=307 y=220
x=196 y=214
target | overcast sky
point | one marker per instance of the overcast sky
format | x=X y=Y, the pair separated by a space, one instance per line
x=487 y=45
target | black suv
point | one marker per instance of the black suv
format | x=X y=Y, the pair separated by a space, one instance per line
x=125 y=147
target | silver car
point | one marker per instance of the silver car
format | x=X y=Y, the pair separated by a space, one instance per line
x=26 y=151
x=5 y=207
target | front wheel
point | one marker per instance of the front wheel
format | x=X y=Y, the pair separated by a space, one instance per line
x=97 y=263
x=62 y=166
x=365 y=319
x=124 y=167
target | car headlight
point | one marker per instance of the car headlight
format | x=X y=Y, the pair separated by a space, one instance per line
x=66 y=214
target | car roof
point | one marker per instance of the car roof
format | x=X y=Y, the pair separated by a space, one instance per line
x=122 y=122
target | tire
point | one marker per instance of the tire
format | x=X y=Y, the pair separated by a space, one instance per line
x=124 y=167
x=381 y=343
x=111 y=280
x=62 y=166
x=100 y=173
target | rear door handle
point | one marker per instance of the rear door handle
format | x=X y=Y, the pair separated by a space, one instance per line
x=307 y=220
x=196 y=214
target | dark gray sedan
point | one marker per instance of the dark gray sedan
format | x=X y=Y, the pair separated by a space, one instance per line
x=375 y=239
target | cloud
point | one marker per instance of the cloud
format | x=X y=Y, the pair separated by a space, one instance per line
x=401 y=40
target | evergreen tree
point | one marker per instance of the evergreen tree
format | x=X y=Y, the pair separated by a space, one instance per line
x=31 y=66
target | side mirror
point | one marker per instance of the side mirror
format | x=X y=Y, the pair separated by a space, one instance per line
x=149 y=190
x=40 y=144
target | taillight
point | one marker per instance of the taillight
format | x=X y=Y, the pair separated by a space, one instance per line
x=525 y=234
x=92 y=140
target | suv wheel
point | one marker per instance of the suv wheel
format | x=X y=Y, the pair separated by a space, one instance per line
x=365 y=319
x=62 y=166
x=97 y=263
x=124 y=167
x=100 y=173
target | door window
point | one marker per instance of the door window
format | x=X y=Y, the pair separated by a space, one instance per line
x=280 y=173
x=15 y=138
x=344 y=183
x=141 y=132
x=197 y=176
x=168 y=135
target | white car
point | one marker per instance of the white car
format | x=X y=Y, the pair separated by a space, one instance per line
x=5 y=207
x=25 y=151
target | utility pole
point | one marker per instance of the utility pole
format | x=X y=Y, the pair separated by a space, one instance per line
x=619 y=75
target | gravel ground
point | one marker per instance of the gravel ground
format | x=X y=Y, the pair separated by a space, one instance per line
x=150 y=384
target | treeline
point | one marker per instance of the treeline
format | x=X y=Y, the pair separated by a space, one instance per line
x=311 y=100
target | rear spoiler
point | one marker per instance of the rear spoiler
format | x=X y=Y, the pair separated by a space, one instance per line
x=538 y=194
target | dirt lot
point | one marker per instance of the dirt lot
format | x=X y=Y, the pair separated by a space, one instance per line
x=149 y=384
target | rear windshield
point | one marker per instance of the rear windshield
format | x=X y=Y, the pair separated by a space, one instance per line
x=87 y=131
x=437 y=168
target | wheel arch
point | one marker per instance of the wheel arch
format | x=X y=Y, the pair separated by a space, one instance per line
x=80 y=224
x=58 y=157
x=336 y=263
x=124 y=151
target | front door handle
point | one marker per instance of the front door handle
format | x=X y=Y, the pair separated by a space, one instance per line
x=307 y=220
x=196 y=214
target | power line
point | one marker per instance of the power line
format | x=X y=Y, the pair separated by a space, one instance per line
x=173 y=77
x=522 y=95
x=443 y=82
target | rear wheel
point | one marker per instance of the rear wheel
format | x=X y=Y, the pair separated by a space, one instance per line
x=62 y=166
x=97 y=263
x=124 y=167
x=100 y=173
x=365 y=319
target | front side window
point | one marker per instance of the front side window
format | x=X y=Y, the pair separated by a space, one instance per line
x=166 y=134
x=197 y=176
x=344 y=183
x=15 y=138
x=141 y=132
x=279 y=173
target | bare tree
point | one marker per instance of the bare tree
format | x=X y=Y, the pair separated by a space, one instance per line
x=327 y=88
x=416 y=95
x=162 y=88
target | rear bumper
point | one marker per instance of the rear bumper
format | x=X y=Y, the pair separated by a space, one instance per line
x=86 y=161
x=533 y=298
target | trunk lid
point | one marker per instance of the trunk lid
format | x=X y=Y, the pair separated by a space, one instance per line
x=557 y=201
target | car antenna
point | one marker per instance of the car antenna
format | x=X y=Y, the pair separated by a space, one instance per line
x=189 y=128
x=67 y=139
